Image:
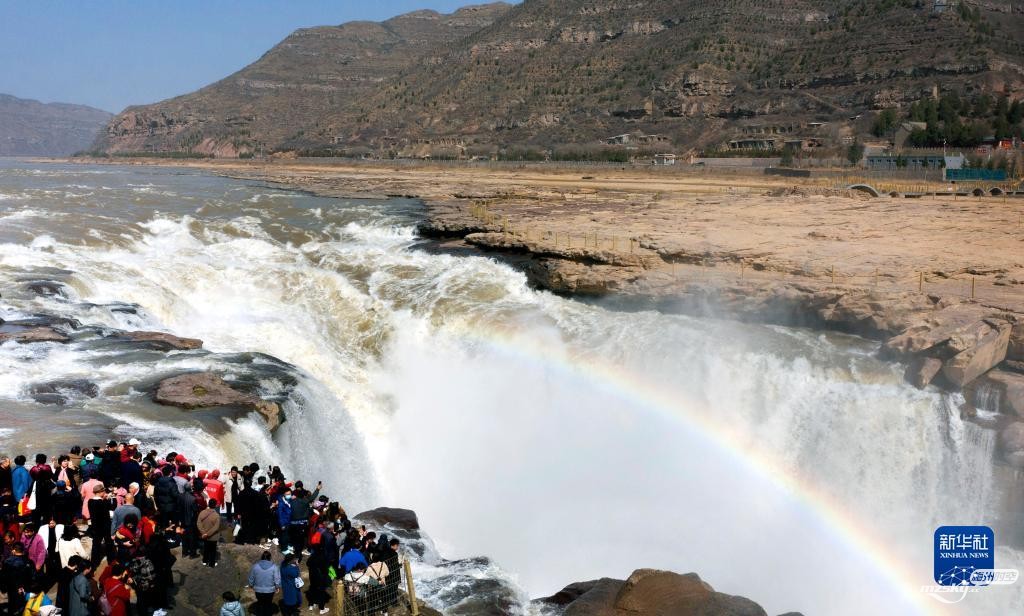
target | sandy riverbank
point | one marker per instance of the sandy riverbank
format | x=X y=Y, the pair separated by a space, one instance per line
x=947 y=272
x=640 y=229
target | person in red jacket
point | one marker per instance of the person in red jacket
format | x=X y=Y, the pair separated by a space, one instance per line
x=214 y=486
x=115 y=589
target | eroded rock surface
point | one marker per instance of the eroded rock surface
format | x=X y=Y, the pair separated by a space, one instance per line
x=650 y=592
x=164 y=341
x=204 y=390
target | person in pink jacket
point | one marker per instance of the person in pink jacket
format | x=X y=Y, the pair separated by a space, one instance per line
x=35 y=548
x=87 y=491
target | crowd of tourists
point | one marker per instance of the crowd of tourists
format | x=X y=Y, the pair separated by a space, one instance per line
x=97 y=531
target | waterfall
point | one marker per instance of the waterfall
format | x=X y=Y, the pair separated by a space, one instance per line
x=565 y=440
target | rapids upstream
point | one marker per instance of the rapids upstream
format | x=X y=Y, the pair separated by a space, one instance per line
x=561 y=439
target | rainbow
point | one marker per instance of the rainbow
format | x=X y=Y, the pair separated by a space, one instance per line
x=833 y=516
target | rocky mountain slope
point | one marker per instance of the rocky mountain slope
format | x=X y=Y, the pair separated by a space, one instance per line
x=558 y=72
x=280 y=98
x=30 y=128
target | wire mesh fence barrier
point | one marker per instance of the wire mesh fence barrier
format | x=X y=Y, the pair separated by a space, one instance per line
x=376 y=590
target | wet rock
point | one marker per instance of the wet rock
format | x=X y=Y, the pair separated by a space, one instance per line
x=586 y=595
x=1008 y=388
x=61 y=391
x=27 y=335
x=979 y=355
x=476 y=596
x=48 y=320
x=650 y=592
x=47 y=288
x=1015 y=350
x=404 y=519
x=204 y=390
x=124 y=308
x=1011 y=443
x=162 y=341
x=922 y=371
x=1013 y=366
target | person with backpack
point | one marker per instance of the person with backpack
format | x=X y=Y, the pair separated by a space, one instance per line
x=357 y=583
x=116 y=594
x=291 y=584
x=143 y=578
x=89 y=468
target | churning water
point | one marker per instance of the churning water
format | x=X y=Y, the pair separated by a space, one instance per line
x=563 y=440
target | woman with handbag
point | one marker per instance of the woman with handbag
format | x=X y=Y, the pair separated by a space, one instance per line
x=116 y=594
x=291 y=585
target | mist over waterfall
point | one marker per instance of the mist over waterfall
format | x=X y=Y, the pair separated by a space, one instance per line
x=564 y=440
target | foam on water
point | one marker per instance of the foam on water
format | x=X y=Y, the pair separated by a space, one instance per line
x=446 y=385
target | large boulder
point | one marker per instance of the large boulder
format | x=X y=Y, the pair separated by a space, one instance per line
x=404 y=519
x=654 y=592
x=922 y=371
x=1011 y=443
x=961 y=325
x=871 y=313
x=46 y=288
x=164 y=342
x=650 y=592
x=204 y=390
x=980 y=353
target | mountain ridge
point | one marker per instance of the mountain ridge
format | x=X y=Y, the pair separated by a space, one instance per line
x=31 y=128
x=563 y=73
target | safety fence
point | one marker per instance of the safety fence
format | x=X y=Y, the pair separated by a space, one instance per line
x=969 y=282
x=363 y=593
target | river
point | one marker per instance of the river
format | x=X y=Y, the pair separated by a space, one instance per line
x=564 y=440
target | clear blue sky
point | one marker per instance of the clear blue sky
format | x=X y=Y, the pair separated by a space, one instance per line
x=115 y=53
